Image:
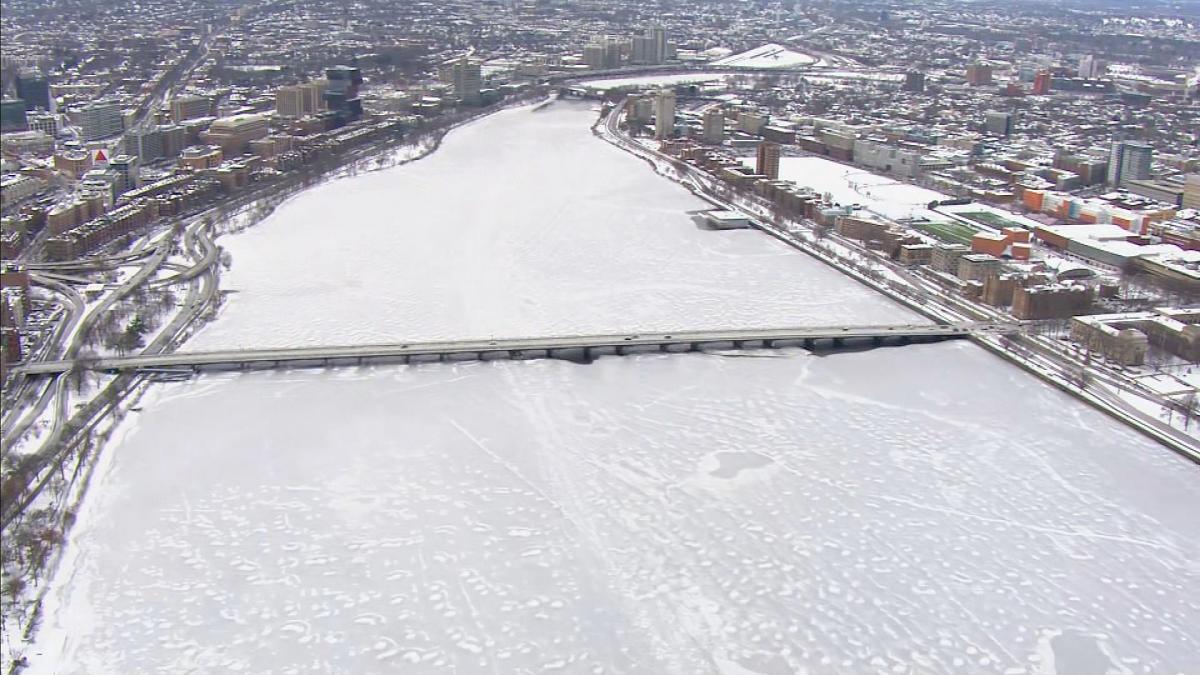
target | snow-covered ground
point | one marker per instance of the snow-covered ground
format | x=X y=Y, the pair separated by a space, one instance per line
x=652 y=514
x=551 y=232
x=918 y=509
x=767 y=56
x=851 y=185
x=653 y=80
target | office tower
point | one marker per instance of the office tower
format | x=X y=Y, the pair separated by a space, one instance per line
x=191 y=107
x=658 y=36
x=979 y=74
x=34 y=89
x=12 y=115
x=99 y=119
x=914 y=81
x=174 y=138
x=145 y=144
x=313 y=94
x=664 y=114
x=1129 y=161
x=289 y=102
x=1041 y=83
x=468 y=80
x=126 y=167
x=999 y=123
x=767 y=163
x=642 y=50
x=341 y=92
x=714 y=126
x=593 y=56
x=1089 y=67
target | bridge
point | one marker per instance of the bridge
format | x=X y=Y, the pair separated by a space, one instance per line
x=575 y=348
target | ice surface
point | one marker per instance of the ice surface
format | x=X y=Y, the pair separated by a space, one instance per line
x=521 y=224
x=917 y=509
x=653 y=80
x=652 y=514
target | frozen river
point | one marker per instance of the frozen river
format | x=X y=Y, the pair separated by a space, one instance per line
x=909 y=510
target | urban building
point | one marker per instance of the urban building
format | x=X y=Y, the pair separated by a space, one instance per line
x=664 y=114
x=1129 y=161
x=45 y=122
x=145 y=144
x=1191 y=191
x=1050 y=301
x=99 y=119
x=12 y=115
x=126 y=166
x=341 y=93
x=34 y=90
x=232 y=133
x=289 y=102
x=979 y=74
x=767 y=160
x=466 y=76
x=200 y=157
x=714 y=126
x=914 y=81
x=977 y=266
x=185 y=108
x=1041 y=83
x=944 y=257
x=999 y=123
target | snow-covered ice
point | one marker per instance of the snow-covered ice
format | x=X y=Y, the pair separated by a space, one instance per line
x=918 y=509
x=650 y=514
x=522 y=224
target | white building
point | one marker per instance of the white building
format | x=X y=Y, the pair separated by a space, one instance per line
x=664 y=114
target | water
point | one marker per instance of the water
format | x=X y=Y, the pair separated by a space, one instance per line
x=919 y=509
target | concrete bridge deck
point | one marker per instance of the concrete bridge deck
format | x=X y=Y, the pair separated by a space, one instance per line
x=565 y=347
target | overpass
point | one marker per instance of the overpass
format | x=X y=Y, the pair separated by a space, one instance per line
x=575 y=348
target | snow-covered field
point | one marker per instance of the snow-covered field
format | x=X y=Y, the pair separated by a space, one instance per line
x=653 y=80
x=521 y=224
x=851 y=185
x=767 y=56
x=652 y=514
x=909 y=510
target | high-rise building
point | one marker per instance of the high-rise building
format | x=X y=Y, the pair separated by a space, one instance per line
x=34 y=89
x=999 y=123
x=914 y=81
x=664 y=114
x=289 y=102
x=12 y=115
x=1090 y=67
x=714 y=125
x=313 y=94
x=341 y=92
x=126 y=167
x=191 y=107
x=1129 y=161
x=979 y=74
x=145 y=144
x=99 y=119
x=658 y=37
x=467 y=77
x=641 y=50
x=1041 y=83
x=593 y=56
x=767 y=163
x=1191 y=191
x=174 y=139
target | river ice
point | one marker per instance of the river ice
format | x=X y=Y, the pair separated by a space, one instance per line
x=918 y=509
